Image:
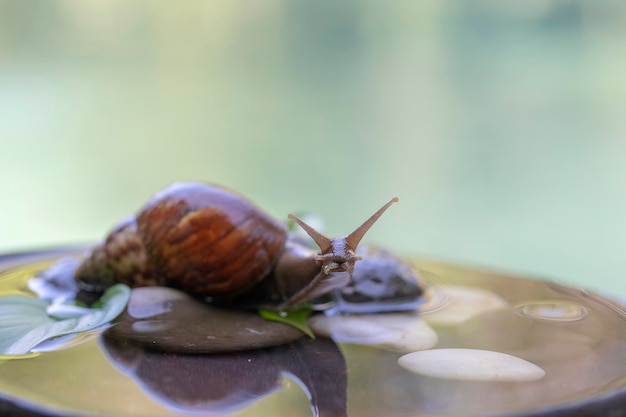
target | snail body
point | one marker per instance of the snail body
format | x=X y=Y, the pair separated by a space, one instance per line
x=211 y=242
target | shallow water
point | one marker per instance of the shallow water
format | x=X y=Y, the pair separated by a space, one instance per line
x=577 y=338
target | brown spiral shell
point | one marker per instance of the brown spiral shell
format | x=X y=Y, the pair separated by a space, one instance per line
x=202 y=238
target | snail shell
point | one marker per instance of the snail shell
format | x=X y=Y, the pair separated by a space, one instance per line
x=199 y=237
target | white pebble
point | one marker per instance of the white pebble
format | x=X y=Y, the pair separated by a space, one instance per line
x=148 y=302
x=400 y=332
x=471 y=365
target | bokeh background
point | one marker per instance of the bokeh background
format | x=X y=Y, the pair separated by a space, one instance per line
x=500 y=124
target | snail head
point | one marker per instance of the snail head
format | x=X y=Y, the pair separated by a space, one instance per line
x=338 y=254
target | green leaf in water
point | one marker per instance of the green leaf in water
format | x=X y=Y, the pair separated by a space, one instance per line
x=26 y=323
x=295 y=318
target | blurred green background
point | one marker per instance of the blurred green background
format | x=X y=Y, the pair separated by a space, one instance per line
x=500 y=124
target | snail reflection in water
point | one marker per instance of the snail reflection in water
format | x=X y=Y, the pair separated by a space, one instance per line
x=224 y=383
x=211 y=242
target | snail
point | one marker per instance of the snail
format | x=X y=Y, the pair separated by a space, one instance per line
x=212 y=242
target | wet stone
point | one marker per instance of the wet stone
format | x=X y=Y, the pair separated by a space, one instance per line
x=169 y=320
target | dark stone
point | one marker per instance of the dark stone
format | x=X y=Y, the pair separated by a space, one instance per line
x=168 y=320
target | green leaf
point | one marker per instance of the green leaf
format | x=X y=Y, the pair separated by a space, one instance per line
x=26 y=323
x=295 y=318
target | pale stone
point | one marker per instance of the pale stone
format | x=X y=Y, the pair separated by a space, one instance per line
x=463 y=304
x=152 y=301
x=471 y=365
x=400 y=332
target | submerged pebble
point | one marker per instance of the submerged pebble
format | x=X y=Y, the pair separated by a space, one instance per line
x=471 y=365
x=553 y=310
x=400 y=332
x=463 y=304
x=169 y=320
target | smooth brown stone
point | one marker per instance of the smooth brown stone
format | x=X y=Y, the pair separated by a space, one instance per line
x=169 y=320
